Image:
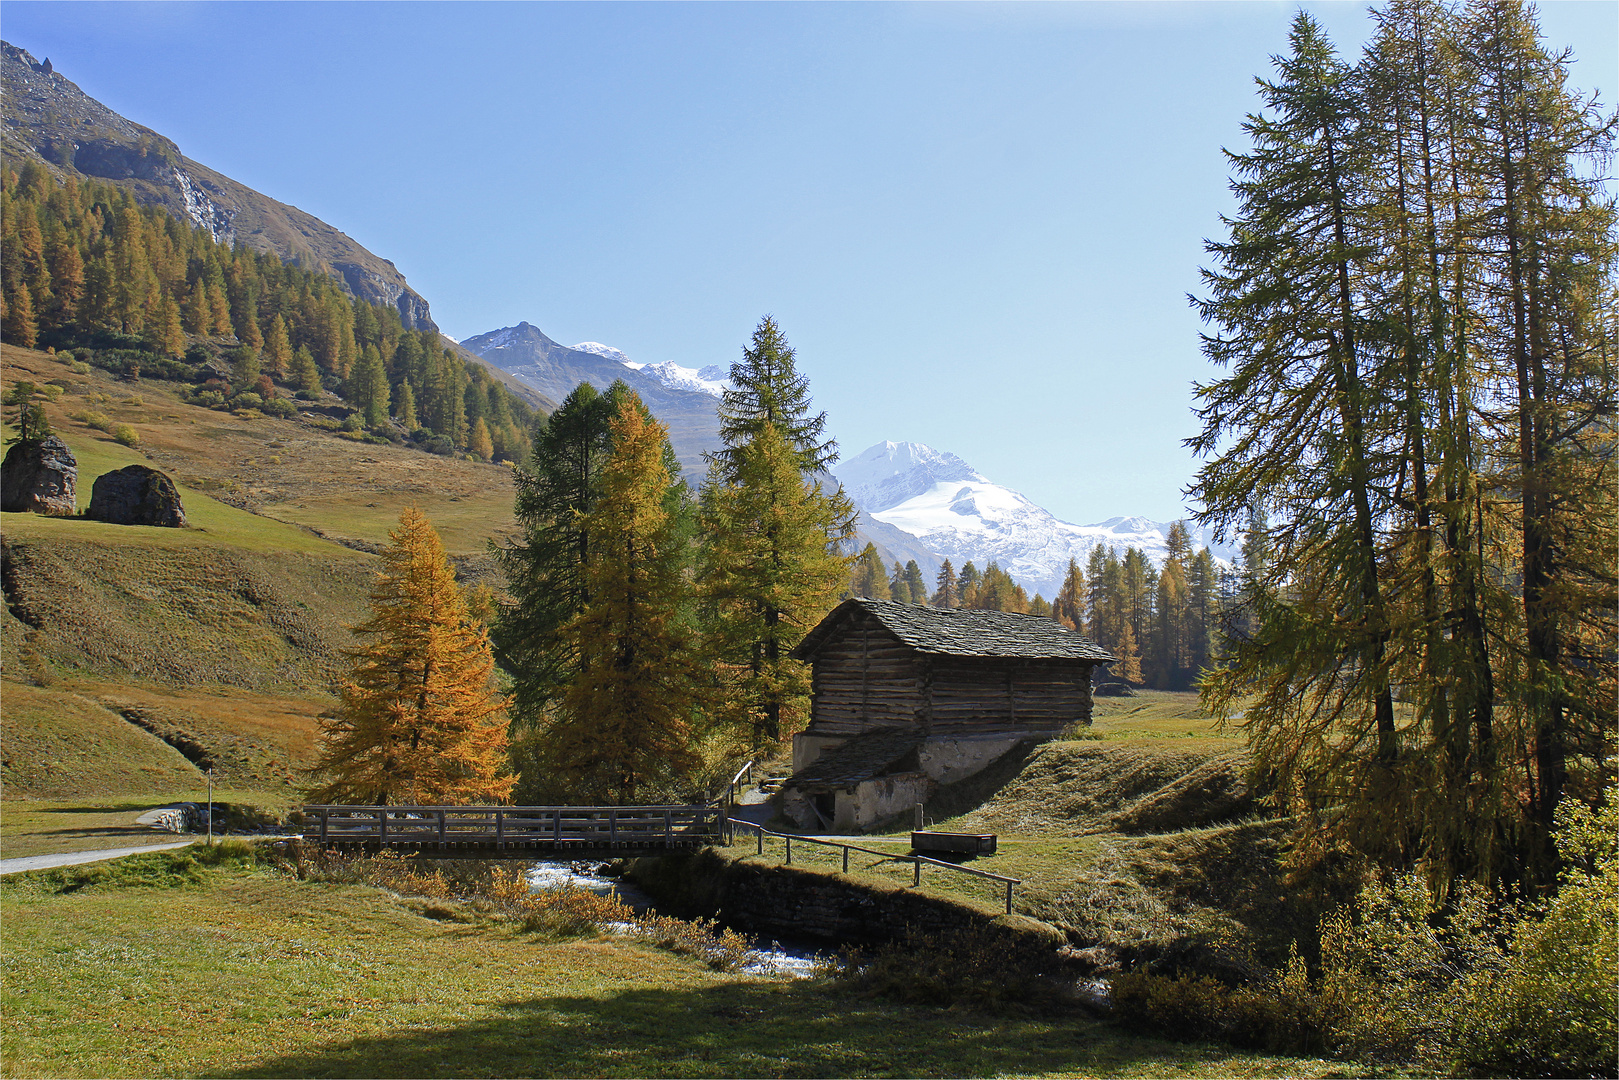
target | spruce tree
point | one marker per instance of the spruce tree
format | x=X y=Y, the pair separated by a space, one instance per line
x=968 y=584
x=868 y=577
x=418 y=718
x=918 y=586
x=898 y=587
x=766 y=388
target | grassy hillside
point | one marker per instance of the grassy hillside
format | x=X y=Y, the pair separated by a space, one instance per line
x=132 y=658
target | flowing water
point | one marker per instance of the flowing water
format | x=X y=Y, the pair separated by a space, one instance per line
x=772 y=959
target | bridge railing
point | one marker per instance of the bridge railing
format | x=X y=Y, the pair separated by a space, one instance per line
x=501 y=825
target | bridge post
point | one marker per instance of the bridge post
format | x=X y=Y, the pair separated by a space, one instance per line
x=500 y=829
x=382 y=824
x=668 y=827
x=441 y=828
x=324 y=815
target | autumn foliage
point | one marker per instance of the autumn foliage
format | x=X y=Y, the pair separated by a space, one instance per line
x=418 y=720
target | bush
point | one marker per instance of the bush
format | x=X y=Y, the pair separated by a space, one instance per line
x=80 y=368
x=246 y=400
x=1280 y=1012
x=125 y=434
x=91 y=418
x=206 y=398
x=279 y=407
x=354 y=422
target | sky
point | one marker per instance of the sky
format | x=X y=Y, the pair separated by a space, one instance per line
x=978 y=224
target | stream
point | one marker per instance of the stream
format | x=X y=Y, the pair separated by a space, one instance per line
x=793 y=961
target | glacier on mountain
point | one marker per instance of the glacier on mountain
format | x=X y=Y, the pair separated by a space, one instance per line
x=710 y=380
x=959 y=513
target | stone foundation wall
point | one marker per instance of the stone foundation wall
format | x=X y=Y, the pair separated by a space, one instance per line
x=784 y=901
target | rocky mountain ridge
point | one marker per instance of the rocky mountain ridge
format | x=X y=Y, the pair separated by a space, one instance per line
x=49 y=120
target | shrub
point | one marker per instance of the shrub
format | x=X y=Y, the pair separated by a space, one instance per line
x=51 y=392
x=125 y=434
x=206 y=398
x=134 y=399
x=80 y=368
x=280 y=407
x=246 y=400
x=1280 y=1012
x=354 y=422
x=91 y=418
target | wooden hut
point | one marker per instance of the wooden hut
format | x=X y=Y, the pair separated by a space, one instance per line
x=918 y=696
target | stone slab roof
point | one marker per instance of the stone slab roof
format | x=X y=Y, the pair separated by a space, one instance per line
x=960 y=632
x=861 y=758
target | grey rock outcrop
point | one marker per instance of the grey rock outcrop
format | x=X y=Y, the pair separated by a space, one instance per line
x=136 y=495
x=39 y=476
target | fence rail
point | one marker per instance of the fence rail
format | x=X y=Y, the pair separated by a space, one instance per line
x=916 y=860
x=514 y=828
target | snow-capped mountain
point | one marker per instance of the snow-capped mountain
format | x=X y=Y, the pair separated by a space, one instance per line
x=960 y=514
x=709 y=380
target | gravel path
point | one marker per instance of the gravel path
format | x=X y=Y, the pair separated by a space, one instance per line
x=73 y=858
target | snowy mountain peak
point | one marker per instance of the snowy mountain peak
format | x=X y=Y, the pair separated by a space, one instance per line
x=710 y=380
x=959 y=514
x=887 y=474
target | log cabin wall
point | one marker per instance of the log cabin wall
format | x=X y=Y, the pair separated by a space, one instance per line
x=866 y=679
x=984 y=696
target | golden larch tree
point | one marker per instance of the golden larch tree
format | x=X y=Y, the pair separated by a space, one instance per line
x=418 y=719
x=625 y=721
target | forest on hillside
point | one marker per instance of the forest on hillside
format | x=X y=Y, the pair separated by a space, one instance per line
x=137 y=291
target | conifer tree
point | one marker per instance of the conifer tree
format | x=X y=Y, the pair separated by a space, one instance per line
x=165 y=333
x=20 y=325
x=278 y=349
x=771 y=571
x=404 y=406
x=868 y=577
x=418 y=718
x=305 y=375
x=1069 y=606
x=626 y=720
x=557 y=488
x=766 y=388
x=918 y=586
x=968 y=585
x=480 y=443
x=898 y=587
x=946 y=588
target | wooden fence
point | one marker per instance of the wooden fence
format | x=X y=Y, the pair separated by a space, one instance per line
x=514 y=829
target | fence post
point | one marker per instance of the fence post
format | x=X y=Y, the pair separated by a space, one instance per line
x=324 y=815
x=759 y=831
x=845 y=858
x=382 y=824
x=1009 y=898
x=500 y=829
x=441 y=828
x=612 y=826
x=916 y=877
x=789 y=851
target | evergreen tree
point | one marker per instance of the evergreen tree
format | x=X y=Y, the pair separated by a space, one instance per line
x=967 y=585
x=545 y=568
x=918 y=586
x=278 y=349
x=946 y=588
x=771 y=572
x=404 y=406
x=305 y=375
x=625 y=721
x=766 y=388
x=418 y=719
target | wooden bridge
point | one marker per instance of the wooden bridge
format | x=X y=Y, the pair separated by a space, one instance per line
x=518 y=831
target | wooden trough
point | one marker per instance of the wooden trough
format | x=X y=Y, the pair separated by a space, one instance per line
x=959 y=843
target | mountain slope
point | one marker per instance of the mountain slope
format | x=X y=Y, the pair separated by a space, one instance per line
x=49 y=120
x=957 y=512
x=554 y=370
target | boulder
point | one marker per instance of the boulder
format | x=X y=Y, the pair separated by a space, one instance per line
x=136 y=495
x=39 y=476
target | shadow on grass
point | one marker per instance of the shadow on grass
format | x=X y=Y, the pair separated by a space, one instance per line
x=741 y=1029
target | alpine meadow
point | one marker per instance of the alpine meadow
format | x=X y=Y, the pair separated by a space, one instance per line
x=377 y=702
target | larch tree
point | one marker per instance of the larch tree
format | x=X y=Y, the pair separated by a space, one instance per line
x=626 y=720
x=1069 y=606
x=418 y=718
x=772 y=569
x=867 y=577
x=918 y=584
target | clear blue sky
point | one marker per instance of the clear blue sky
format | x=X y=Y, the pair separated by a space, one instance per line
x=976 y=223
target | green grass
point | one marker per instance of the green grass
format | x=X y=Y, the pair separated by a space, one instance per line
x=163 y=965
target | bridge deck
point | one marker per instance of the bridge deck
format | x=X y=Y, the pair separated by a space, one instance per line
x=514 y=829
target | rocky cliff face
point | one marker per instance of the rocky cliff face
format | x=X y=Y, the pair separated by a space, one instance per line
x=51 y=121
